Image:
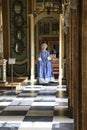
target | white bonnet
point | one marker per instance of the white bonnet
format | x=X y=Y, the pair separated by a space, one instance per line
x=44 y=45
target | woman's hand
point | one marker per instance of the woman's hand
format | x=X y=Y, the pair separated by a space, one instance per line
x=49 y=58
x=39 y=59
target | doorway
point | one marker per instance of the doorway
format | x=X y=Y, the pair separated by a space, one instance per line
x=47 y=30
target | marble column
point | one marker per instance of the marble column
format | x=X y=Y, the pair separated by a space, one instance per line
x=1 y=33
x=5 y=17
x=37 y=40
x=60 y=48
x=32 y=76
x=63 y=53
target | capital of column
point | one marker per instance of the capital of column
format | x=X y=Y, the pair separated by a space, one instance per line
x=30 y=15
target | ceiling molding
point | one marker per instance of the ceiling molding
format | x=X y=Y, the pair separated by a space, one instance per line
x=44 y=15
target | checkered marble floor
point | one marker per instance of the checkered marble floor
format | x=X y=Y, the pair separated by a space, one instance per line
x=36 y=107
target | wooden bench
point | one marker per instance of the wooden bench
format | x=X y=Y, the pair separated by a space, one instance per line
x=55 y=65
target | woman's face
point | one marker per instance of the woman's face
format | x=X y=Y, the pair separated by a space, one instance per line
x=43 y=48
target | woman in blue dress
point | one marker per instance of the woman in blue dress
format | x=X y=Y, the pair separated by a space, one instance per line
x=45 y=72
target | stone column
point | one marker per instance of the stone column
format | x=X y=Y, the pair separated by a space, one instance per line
x=67 y=59
x=32 y=76
x=82 y=89
x=75 y=63
x=68 y=68
x=63 y=55
x=60 y=49
x=5 y=9
x=37 y=41
x=1 y=33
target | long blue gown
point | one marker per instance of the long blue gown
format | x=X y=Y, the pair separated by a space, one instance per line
x=45 y=72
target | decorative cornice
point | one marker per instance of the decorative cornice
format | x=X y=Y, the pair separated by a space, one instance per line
x=67 y=6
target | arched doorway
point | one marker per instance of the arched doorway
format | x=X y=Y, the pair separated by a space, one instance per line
x=42 y=20
x=47 y=29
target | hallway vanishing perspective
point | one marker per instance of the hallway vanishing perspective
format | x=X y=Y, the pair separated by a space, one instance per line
x=61 y=103
x=35 y=108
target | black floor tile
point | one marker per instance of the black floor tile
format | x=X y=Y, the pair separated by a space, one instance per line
x=62 y=94
x=2 y=107
x=61 y=112
x=11 y=93
x=42 y=108
x=26 y=96
x=46 y=94
x=30 y=91
x=63 y=104
x=1 y=100
x=38 y=118
x=8 y=128
x=43 y=100
x=13 y=113
x=8 y=100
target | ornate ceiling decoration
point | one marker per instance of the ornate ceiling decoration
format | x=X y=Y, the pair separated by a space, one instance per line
x=67 y=6
x=48 y=6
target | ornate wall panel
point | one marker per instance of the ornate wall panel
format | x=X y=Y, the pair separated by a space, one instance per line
x=18 y=35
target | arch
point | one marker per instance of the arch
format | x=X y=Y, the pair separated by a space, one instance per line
x=44 y=15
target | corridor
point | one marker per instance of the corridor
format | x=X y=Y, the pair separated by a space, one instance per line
x=35 y=108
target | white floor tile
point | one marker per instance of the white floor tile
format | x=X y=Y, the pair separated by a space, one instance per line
x=15 y=108
x=11 y=118
x=35 y=126
x=43 y=103
x=62 y=119
x=4 y=103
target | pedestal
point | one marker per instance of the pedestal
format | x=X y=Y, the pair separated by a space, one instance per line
x=3 y=70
